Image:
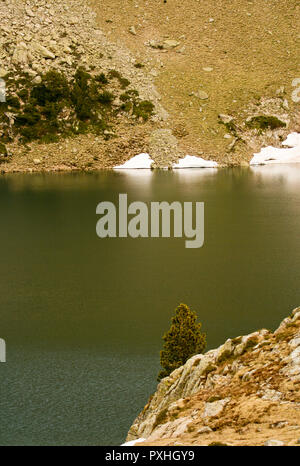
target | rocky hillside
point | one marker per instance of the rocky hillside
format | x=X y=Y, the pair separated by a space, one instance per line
x=73 y=99
x=246 y=392
x=211 y=58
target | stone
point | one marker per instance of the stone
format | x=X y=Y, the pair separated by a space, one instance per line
x=170 y=429
x=279 y=425
x=206 y=365
x=295 y=314
x=36 y=67
x=247 y=342
x=30 y=72
x=271 y=395
x=285 y=104
x=42 y=51
x=215 y=408
x=202 y=95
x=170 y=44
x=182 y=427
x=29 y=12
x=154 y=73
x=207 y=68
x=3 y=72
x=132 y=30
x=293 y=343
x=37 y=80
x=247 y=376
x=20 y=54
x=225 y=118
x=225 y=351
x=273 y=443
x=295 y=356
x=204 y=430
x=296 y=311
x=67 y=60
x=67 y=49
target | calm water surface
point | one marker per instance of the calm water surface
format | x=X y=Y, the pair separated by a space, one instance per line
x=83 y=317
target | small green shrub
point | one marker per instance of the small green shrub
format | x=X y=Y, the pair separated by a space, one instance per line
x=29 y=117
x=143 y=109
x=125 y=97
x=13 y=102
x=101 y=78
x=123 y=81
x=264 y=122
x=106 y=98
x=58 y=107
x=53 y=88
x=23 y=94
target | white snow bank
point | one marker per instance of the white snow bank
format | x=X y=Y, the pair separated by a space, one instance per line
x=138 y=161
x=133 y=442
x=271 y=155
x=293 y=140
x=190 y=161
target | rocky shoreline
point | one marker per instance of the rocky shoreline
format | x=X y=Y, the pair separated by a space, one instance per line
x=246 y=392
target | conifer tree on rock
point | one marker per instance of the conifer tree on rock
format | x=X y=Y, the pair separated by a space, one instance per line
x=183 y=340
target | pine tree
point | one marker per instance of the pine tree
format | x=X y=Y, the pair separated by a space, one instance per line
x=183 y=340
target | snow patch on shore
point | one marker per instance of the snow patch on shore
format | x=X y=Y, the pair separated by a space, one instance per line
x=133 y=442
x=190 y=161
x=270 y=155
x=144 y=161
x=140 y=161
x=290 y=153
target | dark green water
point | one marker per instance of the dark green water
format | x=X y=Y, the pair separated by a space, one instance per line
x=83 y=317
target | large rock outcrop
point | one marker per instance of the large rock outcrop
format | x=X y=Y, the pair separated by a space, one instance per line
x=250 y=382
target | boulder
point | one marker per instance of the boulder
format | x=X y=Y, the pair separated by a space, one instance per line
x=215 y=408
x=248 y=341
x=42 y=51
x=170 y=44
x=3 y=72
x=273 y=443
x=20 y=54
x=225 y=351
